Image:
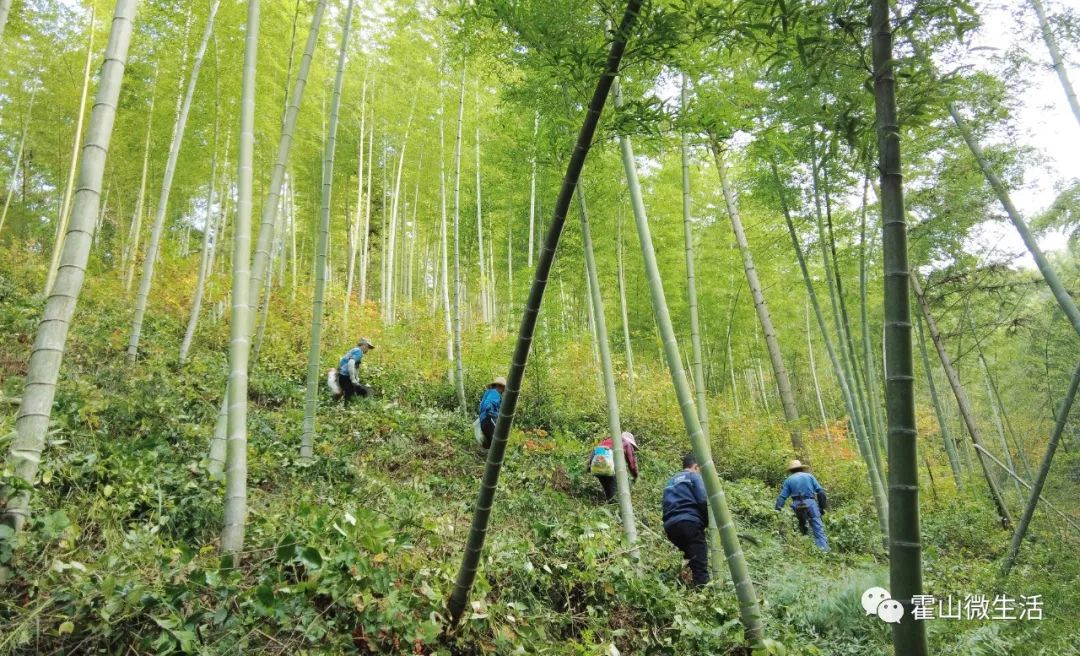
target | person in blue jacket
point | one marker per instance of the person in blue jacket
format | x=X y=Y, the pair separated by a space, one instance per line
x=686 y=514
x=489 y=408
x=808 y=500
x=348 y=374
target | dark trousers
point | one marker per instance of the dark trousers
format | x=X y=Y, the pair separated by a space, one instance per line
x=689 y=537
x=487 y=427
x=608 y=483
x=348 y=390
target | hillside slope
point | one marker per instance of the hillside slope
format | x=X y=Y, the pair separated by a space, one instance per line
x=356 y=552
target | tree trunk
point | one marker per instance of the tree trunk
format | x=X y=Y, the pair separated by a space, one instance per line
x=622 y=479
x=204 y=258
x=862 y=439
x=749 y=610
x=1044 y=469
x=46 y=357
x=905 y=541
x=946 y=436
x=482 y=513
x=314 y=370
x=962 y=401
x=65 y=205
x=142 y=299
x=232 y=533
x=269 y=217
x=460 y=375
x=783 y=384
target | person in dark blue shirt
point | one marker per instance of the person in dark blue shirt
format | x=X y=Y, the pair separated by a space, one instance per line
x=348 y=374
x=686 y=514
x=490 y=404
x=808 y=500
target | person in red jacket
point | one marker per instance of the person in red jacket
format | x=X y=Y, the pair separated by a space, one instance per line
x=602 y=465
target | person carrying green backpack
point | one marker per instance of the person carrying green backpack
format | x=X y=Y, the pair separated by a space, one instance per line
x=602 y=463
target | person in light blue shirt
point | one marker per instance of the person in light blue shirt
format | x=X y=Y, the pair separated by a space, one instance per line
x=348 y=373
x=808 y=500
x=488 y=411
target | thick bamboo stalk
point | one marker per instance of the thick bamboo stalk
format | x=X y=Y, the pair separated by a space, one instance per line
x=269 y=214
x=776 y=358
x=459 y=378
x=142 y=299
x=46 y=357
x=1044 y=470
x=961 y=401
x=622 y=479
x=65 y=205
x=232 y=533
x=314 y=371
x=749 y=610
x=905 y=541
x=482 y=513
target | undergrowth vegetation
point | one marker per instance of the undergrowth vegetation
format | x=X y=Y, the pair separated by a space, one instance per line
x=355 y=552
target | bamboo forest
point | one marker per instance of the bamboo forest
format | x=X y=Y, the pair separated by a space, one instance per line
x=584 y=327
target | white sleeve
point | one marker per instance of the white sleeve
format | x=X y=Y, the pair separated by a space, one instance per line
x=354 y=375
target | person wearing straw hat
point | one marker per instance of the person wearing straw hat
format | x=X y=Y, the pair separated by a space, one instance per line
x=808 y=500
x=602 y=464
x=489 y=408
x=348 y=372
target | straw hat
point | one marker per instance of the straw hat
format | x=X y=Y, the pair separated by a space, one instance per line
x=629 y=437
x=499 y=380
x=796 y=465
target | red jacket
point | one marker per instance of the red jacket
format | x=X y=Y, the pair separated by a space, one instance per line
x=628 y=449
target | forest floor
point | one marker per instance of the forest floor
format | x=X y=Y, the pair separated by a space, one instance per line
x=356 y=551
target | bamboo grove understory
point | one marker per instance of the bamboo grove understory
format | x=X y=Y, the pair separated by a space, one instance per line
x=404 y=171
